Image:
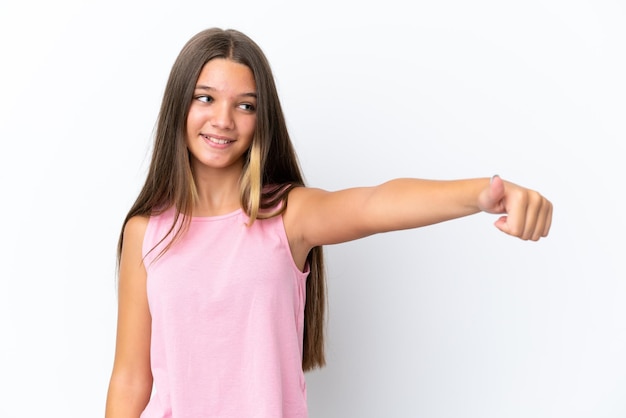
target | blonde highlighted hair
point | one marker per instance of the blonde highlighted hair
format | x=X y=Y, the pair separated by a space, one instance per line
x=271 y=169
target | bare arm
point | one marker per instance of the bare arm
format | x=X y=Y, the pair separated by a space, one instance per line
x=317 y=217
x=131 y=380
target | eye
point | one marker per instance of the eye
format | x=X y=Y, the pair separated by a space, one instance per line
x=203 y=98
x=249 y=107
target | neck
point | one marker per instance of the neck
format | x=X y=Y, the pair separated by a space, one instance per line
x=218 y=191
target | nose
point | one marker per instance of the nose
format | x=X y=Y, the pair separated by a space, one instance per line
x=222 y=117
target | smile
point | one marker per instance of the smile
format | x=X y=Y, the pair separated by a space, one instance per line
x=220 y=141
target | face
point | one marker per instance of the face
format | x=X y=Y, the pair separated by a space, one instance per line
x=222 y=116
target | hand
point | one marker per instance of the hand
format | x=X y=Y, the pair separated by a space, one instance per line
x=528 y=215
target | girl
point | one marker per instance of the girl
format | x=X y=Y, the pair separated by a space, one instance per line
x=221 y=276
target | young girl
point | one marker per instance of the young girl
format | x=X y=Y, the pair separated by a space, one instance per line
x=221 y=276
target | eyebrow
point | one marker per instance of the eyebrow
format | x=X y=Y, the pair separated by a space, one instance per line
x=209 y=88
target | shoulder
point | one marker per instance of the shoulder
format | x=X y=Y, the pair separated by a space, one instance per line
x=136 y=226
x=300 y=200
x=302 y=204
x=134 y=232
x=131 y=254
x=303 y=196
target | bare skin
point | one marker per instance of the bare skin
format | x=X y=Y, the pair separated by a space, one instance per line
x=317 y=217
x=131 y=380
x=221 y=123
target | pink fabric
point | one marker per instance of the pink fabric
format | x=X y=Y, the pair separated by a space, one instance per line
x=227 y=306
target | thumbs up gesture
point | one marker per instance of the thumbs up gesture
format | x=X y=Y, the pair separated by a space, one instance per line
x=526 y=214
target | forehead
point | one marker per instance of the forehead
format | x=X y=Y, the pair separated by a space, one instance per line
x=222 y=74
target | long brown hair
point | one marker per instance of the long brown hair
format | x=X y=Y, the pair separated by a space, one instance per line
x=270 y=171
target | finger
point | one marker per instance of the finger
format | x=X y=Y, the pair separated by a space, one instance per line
x=537 y=216
x=496 y=193
x=539 y=219
x=548 y=225
x=537 y=232
x=502 y=225
x=517 y=209
x=544 y=220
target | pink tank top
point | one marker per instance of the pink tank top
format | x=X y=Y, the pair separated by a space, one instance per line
x=227 y=306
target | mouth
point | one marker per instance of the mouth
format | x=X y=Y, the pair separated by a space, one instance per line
x=217 y=140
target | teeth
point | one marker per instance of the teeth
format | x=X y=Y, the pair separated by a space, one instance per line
x=218 y=141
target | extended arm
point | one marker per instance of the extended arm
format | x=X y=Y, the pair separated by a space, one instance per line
x=317 y=217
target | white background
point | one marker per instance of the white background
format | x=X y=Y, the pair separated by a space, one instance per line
x=451 y=320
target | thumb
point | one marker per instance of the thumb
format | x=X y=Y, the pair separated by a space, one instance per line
x=492 y=198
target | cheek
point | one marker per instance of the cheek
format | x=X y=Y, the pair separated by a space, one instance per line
x=193 y=121
x=249 y=126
